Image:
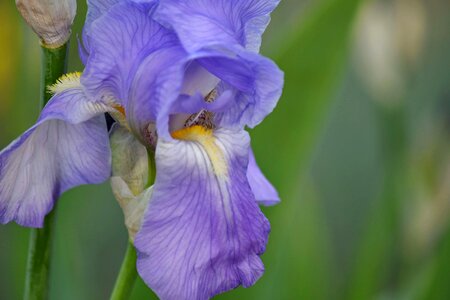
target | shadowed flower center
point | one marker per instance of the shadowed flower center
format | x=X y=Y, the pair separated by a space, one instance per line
x=203 y=118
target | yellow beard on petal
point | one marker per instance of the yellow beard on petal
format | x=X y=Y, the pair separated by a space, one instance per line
x=72 y=80
x=120 y=109
x=65 y=82
x=118 y=114
x=206 y=139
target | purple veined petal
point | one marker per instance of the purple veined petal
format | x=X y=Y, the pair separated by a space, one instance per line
x=143 y=66
x=203 y=231
x=156 y=86
x=120 y=40
x=198 y=80
x=96 y=8
x=254 y=82
x=168 y=82
x=263 y=190
x=67 y=147
x=83 y=52
x=172 y=80
x=202 y=24
x=257 y=82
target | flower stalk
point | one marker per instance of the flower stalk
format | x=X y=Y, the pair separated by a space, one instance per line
x=127 y=275
x=54 y=63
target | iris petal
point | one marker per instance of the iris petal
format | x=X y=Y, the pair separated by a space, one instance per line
x=201 y=23
x=96 y=8
x=142 y=65
x=263 y=190
x=203 y=232
x=256 y=80
x=120 y=40
x=67 y=147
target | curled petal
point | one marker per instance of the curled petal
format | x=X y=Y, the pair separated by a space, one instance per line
x=218 y=23
x=257 y=83
x=67 y=147
x=203 y=232
x=249 y=90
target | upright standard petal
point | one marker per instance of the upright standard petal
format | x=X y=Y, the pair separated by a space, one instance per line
x=119 y=42
x=263 y=190
x=96 y=8
x=203 y=232
x=216 y=23
x=67 y=147
x=142 y=65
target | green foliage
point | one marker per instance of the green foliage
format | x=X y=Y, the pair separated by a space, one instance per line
x=312 y=72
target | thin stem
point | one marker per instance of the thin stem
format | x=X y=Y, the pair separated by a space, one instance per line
x=128 y=274
x=151 y=168
x=38 y=268
x=40 y=248
x=54 y=65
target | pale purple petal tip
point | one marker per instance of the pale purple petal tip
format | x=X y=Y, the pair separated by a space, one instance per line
x=263 y=190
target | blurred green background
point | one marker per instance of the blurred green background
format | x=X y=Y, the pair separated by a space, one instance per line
x=358 y=148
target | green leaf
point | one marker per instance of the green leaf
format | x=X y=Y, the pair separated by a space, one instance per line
x=438 y=287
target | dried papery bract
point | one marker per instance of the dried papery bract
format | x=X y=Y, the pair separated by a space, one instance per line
x=50 y=19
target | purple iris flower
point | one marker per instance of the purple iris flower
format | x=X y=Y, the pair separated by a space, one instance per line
x=183 y=79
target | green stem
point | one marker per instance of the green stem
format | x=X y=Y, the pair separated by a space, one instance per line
x=39 y=253
x=151 y=168
x=54 y=65
x=128 y=274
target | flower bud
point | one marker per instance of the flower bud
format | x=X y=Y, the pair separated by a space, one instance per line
x=129 y=177
x=50 y=19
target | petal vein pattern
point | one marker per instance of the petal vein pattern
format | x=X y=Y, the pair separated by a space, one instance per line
x=120 y=41
x=223 y=23
x=68 y=146
x=203 y=231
